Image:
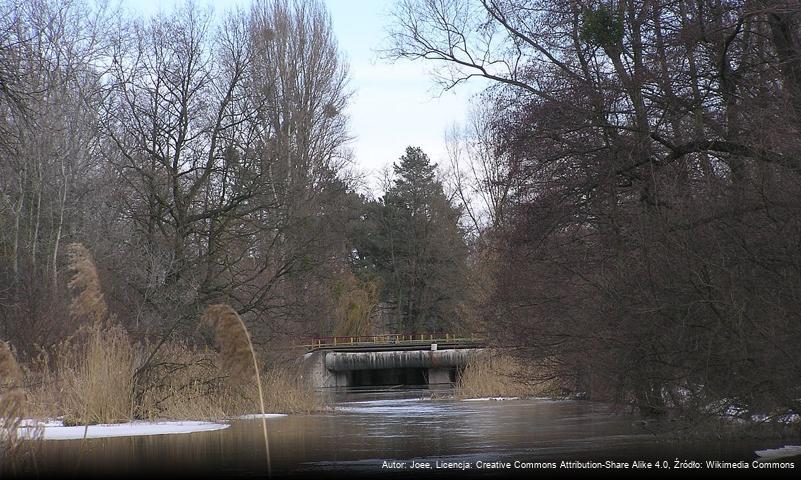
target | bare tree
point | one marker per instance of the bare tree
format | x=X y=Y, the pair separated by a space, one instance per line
x=51 y=131
x=480 y=173
x=652 y=150
x=229 y=143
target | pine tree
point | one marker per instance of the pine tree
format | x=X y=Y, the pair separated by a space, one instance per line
x=416 y=246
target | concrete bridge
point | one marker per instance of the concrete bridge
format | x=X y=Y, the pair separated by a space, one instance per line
x=395 y=359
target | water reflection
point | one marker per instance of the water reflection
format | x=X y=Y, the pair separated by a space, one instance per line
x=369 y=426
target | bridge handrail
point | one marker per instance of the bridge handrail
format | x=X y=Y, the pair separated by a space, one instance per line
x=388 y=338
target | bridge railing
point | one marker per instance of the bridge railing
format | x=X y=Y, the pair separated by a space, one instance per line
x=389 y=338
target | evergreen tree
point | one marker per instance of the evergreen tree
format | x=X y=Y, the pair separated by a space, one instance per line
x=413 y=241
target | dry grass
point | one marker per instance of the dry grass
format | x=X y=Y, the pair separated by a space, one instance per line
x=13 y=409
x=92 y=380
x=87 y=379
x=182 y=384
x=495 y=374
x=89 y=302
x=285 y=391
x=289 y=392
x=97 y=374
x=192 y=384
x=12 y=398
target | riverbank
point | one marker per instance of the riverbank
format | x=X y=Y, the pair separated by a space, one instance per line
x=105 y=379
x=493 y=374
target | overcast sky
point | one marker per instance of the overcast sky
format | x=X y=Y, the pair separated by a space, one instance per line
x=394 y=104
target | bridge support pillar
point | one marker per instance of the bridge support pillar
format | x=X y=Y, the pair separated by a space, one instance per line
x=342 y=379
x=439 y=375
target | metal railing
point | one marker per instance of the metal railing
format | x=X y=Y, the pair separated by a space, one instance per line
x=389 y=339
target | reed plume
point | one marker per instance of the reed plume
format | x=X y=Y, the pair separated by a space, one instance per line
x=236 y=349
x=96 y=364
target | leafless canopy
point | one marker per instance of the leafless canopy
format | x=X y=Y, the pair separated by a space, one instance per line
x=649 y=245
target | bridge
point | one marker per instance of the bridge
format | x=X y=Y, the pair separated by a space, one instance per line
x=391 y=359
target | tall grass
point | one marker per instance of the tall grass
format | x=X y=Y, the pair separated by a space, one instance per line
x=285 y=391
x=181 y=383
x=95 y=365
x=13 y=410
x=97 y=375
x=89 y=301
x=495 y=374
x=12 y=398
x=95 y=372
x=237 y=350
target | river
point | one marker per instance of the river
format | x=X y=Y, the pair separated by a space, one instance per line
x=369 y=432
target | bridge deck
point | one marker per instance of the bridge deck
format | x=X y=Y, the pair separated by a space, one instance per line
x=388 y=342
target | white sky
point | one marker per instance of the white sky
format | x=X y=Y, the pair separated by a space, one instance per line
x=394 y=104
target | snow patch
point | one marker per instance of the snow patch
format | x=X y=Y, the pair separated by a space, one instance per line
x=486 y=399
x=252 y=416
x=33 y=423
x=55 y=429
x=786 y=451
x=734 y=411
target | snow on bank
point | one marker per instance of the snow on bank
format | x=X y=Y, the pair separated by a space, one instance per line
x=786 y=451
x=734 y=413
x=252 y=416
x=55 y=429
x=486 y=399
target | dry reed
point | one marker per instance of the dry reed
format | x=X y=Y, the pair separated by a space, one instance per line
x=233 y=339
x=89 y=302
x=285 y=391
x=90 y=377
x=12 y=398
x=182 y=383
x=95 y=365
x=13 y=408
x=95 y=371
x=495 y=374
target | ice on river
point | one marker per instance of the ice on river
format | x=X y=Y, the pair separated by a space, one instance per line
x=408 y=406
x=56 y=430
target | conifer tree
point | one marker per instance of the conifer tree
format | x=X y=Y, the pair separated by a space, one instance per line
x=416 y=246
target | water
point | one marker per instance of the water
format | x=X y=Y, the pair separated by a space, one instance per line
x=369 y=427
